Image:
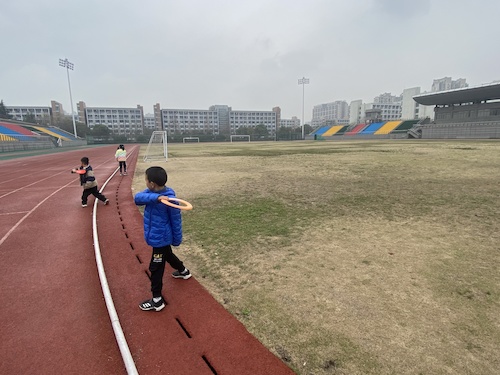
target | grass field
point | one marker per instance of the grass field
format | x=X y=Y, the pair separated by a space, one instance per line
x=372 y=257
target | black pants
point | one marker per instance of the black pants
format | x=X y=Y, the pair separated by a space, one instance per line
x=157 y=267
x=123 y=165
x=95 y=192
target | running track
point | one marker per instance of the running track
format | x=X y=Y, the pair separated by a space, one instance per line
x=54 y=317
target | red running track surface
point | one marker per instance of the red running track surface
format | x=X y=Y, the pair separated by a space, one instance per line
x=53 y=314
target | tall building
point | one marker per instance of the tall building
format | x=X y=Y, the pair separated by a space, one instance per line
x=389 y=105
x=42 y=115
x=411 y=110
x=337 y=111
x=223 y=118
x=149 y=121
x=356 y=114
x=218 y=119
x=120 y=121
x=157 y=114
x=294 y=122
x=80 y=108
x=190 y=120
x=447 y=83
x=251 y=119
x=277 y=110
x=57 y=111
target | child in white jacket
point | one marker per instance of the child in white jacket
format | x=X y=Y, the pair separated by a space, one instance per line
x=121 y=158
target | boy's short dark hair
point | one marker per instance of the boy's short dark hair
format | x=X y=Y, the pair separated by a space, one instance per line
x=158 y=175
x=84 y=160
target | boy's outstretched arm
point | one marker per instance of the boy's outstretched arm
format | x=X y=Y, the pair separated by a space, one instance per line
x=146 y=197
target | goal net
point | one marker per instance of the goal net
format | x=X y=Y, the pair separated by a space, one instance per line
x=191 y=139
x=240 y=138
x=157 y=147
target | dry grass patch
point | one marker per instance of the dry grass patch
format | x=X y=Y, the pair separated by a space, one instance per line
x=350 y=257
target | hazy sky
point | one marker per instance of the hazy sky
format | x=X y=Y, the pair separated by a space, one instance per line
x=246 y=54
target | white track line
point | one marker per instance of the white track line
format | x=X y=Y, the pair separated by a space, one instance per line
x=117 y=328
x=120 y=337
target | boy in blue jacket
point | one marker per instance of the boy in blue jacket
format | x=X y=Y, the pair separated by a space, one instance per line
x=162 y=230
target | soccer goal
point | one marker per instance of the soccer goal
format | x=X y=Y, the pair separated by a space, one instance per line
x=240 y=137
x=157 y=147
x=191 y=139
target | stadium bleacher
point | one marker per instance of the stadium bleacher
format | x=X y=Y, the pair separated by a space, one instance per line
x=388 y=127
x=355 y=130
x=372 y=128
x=380 y=129
x=12 y=132
x=336 y=129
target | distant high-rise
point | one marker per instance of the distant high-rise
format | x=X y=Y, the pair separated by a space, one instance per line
x=218 y=119
x=389 y=106
x=119 y=120
x=41 y=115
x=337 y=111
x=447 y=83
x=149 y=121
x=355 y=112
x=157 y=114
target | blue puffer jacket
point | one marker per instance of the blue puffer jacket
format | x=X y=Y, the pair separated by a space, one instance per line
x=162 y=223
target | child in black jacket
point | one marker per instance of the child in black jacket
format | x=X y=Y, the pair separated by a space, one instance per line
x=87 y=180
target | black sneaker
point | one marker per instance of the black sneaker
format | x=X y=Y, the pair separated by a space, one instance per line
x=106 y=202
x=84 y=204
x=182 y=275
x=149 y=304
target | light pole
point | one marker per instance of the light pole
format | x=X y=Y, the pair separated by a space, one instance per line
x=303 y=81
x=68 y=65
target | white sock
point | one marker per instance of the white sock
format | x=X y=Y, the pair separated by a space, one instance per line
x=156 y=299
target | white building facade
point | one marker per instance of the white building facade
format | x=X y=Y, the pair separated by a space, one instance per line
x=218 y=119
x=120 y=121
x=190 y=120
x=337 y=111
x=411 y=110
x=447 y=83
x=294 y=122
x=149 y=121
x=43 y=115
x=356 y=112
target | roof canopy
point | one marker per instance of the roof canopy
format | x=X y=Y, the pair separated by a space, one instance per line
x=490 y=91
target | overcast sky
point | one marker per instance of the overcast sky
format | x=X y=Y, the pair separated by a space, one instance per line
x=248 y=54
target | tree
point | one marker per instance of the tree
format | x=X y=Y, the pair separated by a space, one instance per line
x=244 y=130
x=66 y=124
x=261 y=131
x=100 y=131
x=30 y=117
x=3 y=111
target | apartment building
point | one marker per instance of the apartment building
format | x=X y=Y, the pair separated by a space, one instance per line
x=447 y=83
x=294 y=122
x=389 y=106
x=356 y=114
x=337 y=111
x=43 y=115
x=120 y=121
x=149 y=121
x=251 y=119
x=218 y=119
x=190 y=120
